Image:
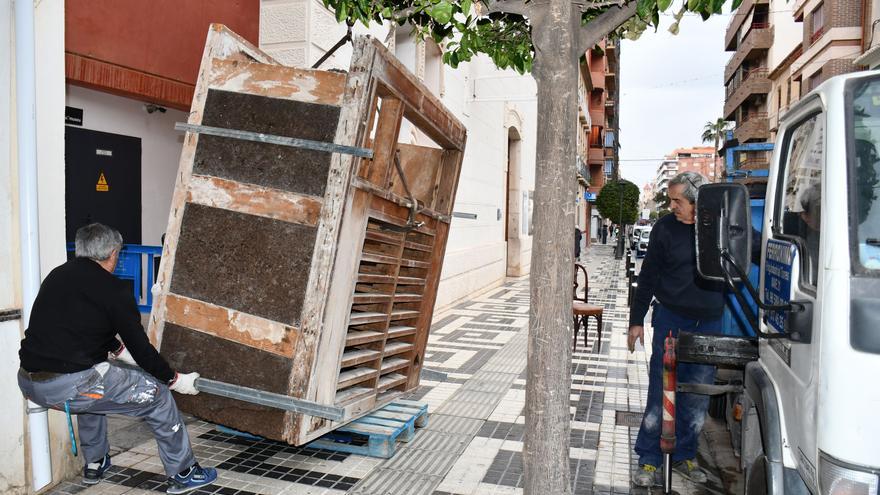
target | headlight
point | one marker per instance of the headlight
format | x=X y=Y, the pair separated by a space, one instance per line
x=836 y=479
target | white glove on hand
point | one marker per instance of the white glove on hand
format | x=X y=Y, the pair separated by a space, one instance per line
x=185 y=383
x=124 y=356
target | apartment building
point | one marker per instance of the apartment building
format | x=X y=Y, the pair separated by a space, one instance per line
x=832 y=36
x=600 y=73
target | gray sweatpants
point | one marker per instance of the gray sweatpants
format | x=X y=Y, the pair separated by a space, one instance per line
x=111 y=389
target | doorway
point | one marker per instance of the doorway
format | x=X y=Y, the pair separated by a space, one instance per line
x=102 y=178
x=512 y=228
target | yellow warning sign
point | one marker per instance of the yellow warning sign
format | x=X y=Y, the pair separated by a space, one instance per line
x=102 y=185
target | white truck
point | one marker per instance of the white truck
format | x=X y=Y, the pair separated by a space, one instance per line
x=810 y=402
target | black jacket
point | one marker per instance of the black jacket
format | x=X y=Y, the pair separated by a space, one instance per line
x=669 y=273
x=73 y=325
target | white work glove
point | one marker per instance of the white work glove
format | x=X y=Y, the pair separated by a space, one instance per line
x=123 y=355
x=184 y=383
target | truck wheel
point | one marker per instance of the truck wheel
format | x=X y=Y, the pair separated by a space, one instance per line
x=756 y=476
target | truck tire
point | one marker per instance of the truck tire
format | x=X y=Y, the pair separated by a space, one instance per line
x=756 y=477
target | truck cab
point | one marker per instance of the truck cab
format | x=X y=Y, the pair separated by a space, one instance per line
x=811 y=400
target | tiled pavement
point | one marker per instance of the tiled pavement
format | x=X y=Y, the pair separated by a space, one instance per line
x=473 y=442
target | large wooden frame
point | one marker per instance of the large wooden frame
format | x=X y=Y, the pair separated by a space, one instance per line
x=302 y=272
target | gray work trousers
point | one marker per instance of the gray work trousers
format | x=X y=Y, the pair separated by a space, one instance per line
x=111 y=389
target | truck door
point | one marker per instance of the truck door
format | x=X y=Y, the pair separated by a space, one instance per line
x=791 y=268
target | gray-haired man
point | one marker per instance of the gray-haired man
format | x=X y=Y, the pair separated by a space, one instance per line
x=80 y=309
x=683 y=302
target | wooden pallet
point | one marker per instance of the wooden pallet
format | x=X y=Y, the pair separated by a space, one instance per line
x=377 y=433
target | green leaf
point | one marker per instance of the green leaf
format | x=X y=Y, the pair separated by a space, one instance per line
x=341 y=11
x=663 y=4
x=693 y=5
x=466 y=7
x=735 y=5
x=643 y=8
x=441 y=12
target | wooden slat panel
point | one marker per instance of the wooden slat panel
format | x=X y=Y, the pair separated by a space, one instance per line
x=410 y=281
x=354 y=357
x=370 y=298
x=229 y=324
x=254 y=200
x=378 y=258
x=404 y=297
x=357 y=337
x=369 y=278
x=392 y=348
x=390 y=380
x=400 y=314
x=400 y=331
x=418 y=247
x=361 y=317
x=352 y=394
x=393 y=364
x=355 y=376
x=414 y=263
x=385 y=237
x=314 y=86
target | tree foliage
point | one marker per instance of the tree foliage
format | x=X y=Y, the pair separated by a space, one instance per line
x=609 y=204
x=661 y=200
x=465 y=28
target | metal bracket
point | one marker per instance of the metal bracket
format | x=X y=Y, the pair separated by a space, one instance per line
x=259 y=137
x=10 y=314
x=269 y=399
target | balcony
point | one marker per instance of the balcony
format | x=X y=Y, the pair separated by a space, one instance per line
x=596 y=156
x=756 y=127
x=736 y=21
x=755 y=82
x=598 y=79
x=759 y=37
x=597 y=116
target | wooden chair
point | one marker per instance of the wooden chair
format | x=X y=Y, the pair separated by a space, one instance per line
x=581 y=310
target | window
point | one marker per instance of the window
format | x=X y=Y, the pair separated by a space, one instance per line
x=801 y=182
x=609 y=167
x=814 y=80
x=817 y=23
x=863 y=139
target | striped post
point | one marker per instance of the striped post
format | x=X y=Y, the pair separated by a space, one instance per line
x=667 y=435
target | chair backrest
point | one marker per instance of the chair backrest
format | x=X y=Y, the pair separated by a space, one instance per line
x=580 y=268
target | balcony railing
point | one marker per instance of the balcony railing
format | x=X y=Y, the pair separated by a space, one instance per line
x=746 y=75
x=818 y=34
x=756 y=84
x=757 y=38
x=737 y=19
x=754 y=127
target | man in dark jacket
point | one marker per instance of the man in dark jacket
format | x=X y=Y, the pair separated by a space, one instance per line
x=684 y=301
x=78 y=312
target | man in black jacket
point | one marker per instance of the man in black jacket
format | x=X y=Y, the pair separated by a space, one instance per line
x=79 y=310
x=684 y=301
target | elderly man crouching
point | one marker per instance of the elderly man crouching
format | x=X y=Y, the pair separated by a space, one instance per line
x=78 y=312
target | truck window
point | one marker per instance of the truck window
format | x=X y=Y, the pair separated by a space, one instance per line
x=800 y=204
x=864 y=162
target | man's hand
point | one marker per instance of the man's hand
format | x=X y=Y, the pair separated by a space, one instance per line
x=185 y=383
x=123 y=355
x=636 y=332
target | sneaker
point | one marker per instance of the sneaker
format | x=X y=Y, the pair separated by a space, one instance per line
x=646 y=476
x=690 y=470
x=194 y=477
x=94 y=471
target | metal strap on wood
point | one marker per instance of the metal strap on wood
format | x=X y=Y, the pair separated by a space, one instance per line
x=269 y=399
x=259 y=137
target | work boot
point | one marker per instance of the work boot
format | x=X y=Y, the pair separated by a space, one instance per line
x=646 y=476
x=190 y=479
x=690 y=470
x=94 y=471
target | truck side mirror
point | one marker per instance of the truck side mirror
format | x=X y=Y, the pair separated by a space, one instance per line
x=723 y=225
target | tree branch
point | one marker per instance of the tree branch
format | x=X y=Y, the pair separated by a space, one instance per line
x=592 y=32
x=508 y=7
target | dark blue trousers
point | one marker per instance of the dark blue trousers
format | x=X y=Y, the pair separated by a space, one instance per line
x=690 y=409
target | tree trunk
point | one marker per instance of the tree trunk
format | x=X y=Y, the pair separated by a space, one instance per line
x=548 y=382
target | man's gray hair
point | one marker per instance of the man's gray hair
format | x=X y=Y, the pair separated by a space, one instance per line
x=97 y=241
x=691 y=182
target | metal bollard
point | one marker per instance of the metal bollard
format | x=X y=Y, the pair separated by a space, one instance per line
x=667 y=435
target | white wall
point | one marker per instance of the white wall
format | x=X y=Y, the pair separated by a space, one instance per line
x=787 y=34
x=160 y=148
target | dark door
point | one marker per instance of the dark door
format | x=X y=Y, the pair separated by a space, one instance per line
x=103 y=182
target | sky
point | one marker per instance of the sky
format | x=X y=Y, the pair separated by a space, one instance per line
x=670 y=86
